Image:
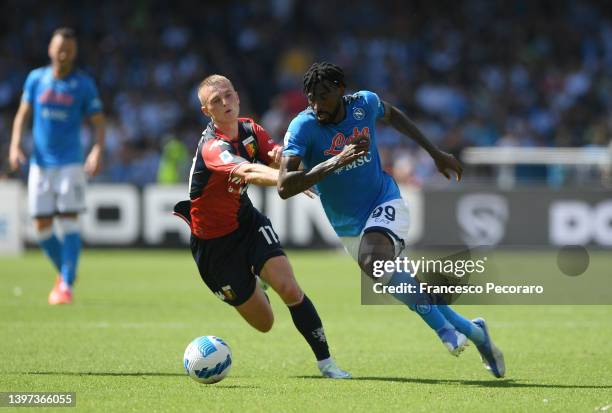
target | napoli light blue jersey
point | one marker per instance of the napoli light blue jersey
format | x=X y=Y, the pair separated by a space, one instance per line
x=59 y=106
x=350 y=193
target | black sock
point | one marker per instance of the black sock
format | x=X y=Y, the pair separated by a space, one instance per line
x=308 y=323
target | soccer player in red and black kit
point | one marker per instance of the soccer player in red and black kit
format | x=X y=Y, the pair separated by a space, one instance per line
x=231 y=241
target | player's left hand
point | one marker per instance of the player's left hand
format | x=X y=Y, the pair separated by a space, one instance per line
x=16 y=157
x=446 y=162
x=275 y=156
x=93 y=163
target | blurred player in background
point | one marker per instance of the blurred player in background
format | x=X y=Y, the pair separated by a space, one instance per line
x=59 y=97
x=231 y=241
x=335 y=138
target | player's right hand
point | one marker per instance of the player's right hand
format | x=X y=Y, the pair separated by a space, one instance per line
x=359 y=147
x=275 y=156
x=16 y=156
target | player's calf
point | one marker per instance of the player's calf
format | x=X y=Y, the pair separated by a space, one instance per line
x=376 y=245
x=48 y=241
x=278 y=273
x=257 y=311
x=71 y=248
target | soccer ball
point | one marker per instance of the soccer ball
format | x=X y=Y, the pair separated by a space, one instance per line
x=207 y=359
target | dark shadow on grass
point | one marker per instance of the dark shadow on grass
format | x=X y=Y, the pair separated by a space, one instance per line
x=508 y=383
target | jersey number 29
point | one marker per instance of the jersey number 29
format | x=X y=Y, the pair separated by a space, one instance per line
x=389 y=212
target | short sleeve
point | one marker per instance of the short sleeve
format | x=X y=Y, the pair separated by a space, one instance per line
x=296 y=139
x=92 y=103
x=220 y=156
x=29 y=88
x=264 y=142
x=374 y=103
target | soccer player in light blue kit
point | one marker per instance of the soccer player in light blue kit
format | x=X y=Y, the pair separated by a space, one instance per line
x=335 y=139
x=59 y=97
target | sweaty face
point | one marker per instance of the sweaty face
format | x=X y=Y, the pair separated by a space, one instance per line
x=325 y=101
x=62 y=51
x=221 y=102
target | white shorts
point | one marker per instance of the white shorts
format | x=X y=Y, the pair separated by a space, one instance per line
x=57 y=190
x=392 y=218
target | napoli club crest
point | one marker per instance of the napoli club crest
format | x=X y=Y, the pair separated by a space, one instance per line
x=358 y=113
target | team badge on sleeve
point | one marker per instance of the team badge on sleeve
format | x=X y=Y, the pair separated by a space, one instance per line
x=226 y=157
x=358 y=113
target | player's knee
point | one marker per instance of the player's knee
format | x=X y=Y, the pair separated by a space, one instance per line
x=375 y=247
x=367 y=262
x=43 y=224
x=289 y=291
x=69 y=224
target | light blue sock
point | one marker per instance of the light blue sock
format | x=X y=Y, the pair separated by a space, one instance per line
x=52 y=246
x=463 y=325
x=420 y=303
x=70 y=256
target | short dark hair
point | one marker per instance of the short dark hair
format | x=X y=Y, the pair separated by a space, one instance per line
x=65 y=32
x=319 y=72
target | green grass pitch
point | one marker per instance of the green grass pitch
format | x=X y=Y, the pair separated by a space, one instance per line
x=120 y=346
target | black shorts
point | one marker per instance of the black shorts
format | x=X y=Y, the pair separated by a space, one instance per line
x=228 y=264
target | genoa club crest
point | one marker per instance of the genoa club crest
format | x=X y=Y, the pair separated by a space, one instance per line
x=249 y=145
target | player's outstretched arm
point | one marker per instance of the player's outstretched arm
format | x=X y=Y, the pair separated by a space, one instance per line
x=93 y=163
x=257 y=174
x=16 y=155
x=444 y=161
x=292 y=180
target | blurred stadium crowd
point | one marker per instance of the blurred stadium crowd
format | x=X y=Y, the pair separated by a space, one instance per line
x=471 y=73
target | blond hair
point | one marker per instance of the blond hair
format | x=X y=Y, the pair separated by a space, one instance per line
x=212 y=80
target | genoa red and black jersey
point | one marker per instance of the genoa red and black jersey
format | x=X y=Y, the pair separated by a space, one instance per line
x=219 y=200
